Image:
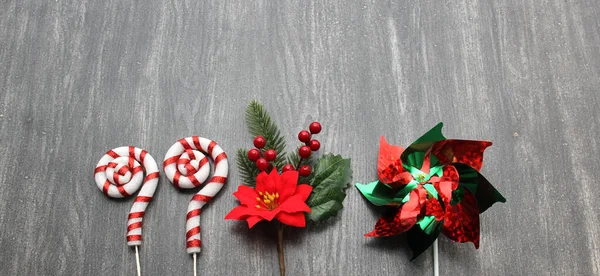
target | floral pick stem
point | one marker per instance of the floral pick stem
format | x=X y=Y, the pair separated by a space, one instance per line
x=280 y=248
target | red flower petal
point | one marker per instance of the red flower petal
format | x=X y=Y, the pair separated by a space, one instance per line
x=267 y=182
x=292 y=219
x=253 y=211
x=239 y=212
x=303 y=191
x=461 y=222
x=391 y=226
x=246 y=195
x=253 y=220
x=287 y=186
x=389 y=165
x=266 y=214
x=293 y=204
x=461 y=151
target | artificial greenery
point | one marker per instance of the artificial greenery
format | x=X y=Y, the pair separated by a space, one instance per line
x=330 y=178
x=247 y=168
x=260 y=124
x=331 y=174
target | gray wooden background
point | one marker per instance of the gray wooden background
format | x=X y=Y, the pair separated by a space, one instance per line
x=80 y=77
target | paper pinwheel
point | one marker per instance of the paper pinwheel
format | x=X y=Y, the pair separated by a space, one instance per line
x=432 y=186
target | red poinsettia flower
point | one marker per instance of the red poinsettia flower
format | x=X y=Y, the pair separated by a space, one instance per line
x=275 y=197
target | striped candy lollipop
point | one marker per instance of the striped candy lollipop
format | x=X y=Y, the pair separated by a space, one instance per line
x=119 y=174
x=187 y=167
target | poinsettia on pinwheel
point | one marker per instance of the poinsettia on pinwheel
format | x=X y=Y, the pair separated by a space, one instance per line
x=433 y=186
x=297 y=188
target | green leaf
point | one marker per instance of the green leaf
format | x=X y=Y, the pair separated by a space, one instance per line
x=325 y=210
x=331 y=176
x=260 y=124
x=247 y=168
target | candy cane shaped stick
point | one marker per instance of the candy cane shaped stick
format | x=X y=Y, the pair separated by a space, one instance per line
x=187 y=167
x=118 y=175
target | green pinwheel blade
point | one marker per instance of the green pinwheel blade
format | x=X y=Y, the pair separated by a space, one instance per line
x=381 y=194
x=485 y=194
x=415 y=153
x=376 y=192
x=418 y=240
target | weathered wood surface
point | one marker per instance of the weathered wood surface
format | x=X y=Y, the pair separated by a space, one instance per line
x=80 y=77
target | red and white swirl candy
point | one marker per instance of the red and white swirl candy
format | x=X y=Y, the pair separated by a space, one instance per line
x=186 y=166
x=120 y=173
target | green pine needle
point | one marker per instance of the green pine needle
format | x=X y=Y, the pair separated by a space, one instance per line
x=260 y=124
x=247 y=168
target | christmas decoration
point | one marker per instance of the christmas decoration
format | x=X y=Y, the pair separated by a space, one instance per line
x=119 y=174
x=434 y=186
x=187 y=167
x=287 y=189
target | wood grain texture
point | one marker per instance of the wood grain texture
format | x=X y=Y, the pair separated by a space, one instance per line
x=80 y=77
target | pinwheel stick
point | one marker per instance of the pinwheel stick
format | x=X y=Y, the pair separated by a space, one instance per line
x=436 y=262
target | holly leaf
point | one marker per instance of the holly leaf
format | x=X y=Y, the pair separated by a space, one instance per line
x=330 y=177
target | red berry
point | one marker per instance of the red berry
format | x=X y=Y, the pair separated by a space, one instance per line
x=315 y=127
x=262 y=164
x=253 y=155
x=260 y=142
x=270 y=155
x=314 y=145
x=287 y=167
x=304 y=170
x=304 y=151
x=304 y=136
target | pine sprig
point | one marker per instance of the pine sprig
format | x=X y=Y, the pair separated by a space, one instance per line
x=260 y=124
x=247 y=168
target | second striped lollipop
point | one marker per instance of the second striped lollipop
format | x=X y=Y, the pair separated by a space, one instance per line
x=186 y=166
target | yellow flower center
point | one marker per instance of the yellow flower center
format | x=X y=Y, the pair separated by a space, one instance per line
x=267 y=200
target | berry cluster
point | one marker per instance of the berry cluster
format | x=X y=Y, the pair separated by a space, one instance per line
x=262 y=158
x=256 y=155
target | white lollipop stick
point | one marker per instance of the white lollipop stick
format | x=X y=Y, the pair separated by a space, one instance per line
x=195 y=269
x=137 y=261
x=120 y=173
x=187 y=167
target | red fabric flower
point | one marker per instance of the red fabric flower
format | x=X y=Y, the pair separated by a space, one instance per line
x=276 y=196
